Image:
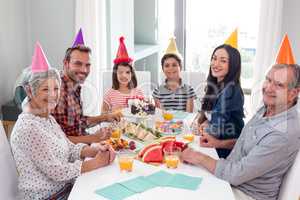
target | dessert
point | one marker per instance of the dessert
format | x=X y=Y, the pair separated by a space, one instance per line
x=169 y=127
x=141 y=107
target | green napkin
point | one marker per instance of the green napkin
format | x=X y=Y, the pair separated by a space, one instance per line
x=115 y=192
x=184 y=182
x=138 y=184
x=160 y=178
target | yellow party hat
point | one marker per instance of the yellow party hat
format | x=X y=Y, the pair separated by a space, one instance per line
x=232 y=40
x=172 y=48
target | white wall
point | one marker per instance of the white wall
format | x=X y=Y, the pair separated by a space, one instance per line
x=290 y=24
x=52 y=22
x=23 y=22
x=120 y=21
x=13 y=45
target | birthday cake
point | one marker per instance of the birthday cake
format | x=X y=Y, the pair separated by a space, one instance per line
x=141 y=107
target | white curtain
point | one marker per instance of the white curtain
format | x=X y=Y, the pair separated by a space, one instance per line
x=91 y=17
x=269 y=38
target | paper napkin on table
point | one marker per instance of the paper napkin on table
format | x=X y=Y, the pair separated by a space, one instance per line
x=115 y=192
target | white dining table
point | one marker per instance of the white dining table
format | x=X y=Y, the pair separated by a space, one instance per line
x=211 y=188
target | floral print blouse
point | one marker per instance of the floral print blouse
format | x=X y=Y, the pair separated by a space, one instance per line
x=46 y=160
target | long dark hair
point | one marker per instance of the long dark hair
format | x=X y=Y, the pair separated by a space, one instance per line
x=213 y=87
x=115 y=82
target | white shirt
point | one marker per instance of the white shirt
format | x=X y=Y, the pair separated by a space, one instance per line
x=46 y=160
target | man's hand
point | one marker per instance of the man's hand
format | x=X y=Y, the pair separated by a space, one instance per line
x=207 y=140
x=103 y=134
x=115 y=116
x=199 y=159
x=190 y=156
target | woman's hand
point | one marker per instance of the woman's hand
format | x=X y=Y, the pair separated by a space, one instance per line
x=102 y=158
x=202 y=127
x=103 y=134
x=207 y=140
x=105 y=155
x=91 y=151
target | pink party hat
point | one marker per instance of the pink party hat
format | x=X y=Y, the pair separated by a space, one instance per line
x=39 y=61
x=79 y=39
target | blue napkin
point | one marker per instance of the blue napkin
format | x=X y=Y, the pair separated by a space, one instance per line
x=138 y=184
x=160 y=178
x=184 y=182
x=115 y=192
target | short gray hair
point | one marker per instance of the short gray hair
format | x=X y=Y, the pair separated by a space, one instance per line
x=37 y=78
x=295 y=83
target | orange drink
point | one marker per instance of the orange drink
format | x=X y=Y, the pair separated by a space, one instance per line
x=126 y=164
x=171 y=157
x=116 y=133
x=172 y=161
x=189 y=137
x=125 y=160
x=168 y=116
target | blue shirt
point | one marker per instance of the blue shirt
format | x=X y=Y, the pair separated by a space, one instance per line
x=226 y=121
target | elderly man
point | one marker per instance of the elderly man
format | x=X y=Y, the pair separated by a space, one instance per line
x=68 y=112
x=268 y=144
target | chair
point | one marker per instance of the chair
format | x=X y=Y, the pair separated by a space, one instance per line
x=289 y=189
x=8 y=172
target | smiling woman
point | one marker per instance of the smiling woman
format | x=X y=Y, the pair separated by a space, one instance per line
x=43 y=92
x=46 y=160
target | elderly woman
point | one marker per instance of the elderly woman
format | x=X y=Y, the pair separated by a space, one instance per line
x=46 y=160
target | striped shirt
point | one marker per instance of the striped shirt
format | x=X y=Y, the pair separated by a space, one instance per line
x=174 y=100
x=117 y=100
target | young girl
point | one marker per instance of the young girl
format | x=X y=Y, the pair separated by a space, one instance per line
x=222 y=107
x=173 y=94
x=124 y=82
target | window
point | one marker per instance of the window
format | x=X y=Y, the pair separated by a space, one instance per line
x=166 y=21
x=209 y=23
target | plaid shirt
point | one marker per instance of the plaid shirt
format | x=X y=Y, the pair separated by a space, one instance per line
x=68 y=112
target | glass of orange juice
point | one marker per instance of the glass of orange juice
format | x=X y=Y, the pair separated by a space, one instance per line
x=167 y=115
x=125 y=160
x=171 y=156
x=116 y=133
x=189 y=137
